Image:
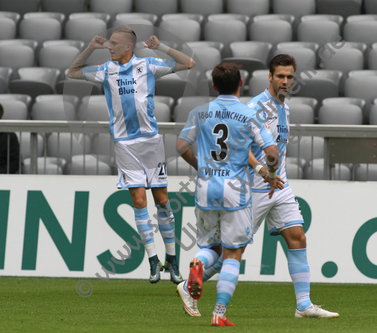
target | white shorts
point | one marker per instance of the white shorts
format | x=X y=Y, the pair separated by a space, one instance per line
x=282 y=211
x=141 y=162
x=232 y=229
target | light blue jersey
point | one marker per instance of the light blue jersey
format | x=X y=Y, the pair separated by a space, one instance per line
x=129 y=91
x=225 y=129
x=277 y=116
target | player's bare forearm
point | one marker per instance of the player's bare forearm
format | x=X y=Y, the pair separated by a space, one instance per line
x=272 y=158
x=183 y=61
x=252 y=160
x=184 y=149
x=75 y=71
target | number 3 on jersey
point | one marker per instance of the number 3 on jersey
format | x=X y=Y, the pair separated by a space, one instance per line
x=220 y=141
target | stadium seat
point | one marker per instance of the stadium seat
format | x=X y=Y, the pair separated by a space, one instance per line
x=345 y=59
x=340 y=114
x=362 y=84
x=169 y=101
x=66 y=145
x=42 y=15
x=362 y=17
x=309 y=45
x=45 y=166
x=249 y=7
x=321 y=85
x=182 y=16
x=53 y=110
x=312 y=102
x=163 y=7
x=297 y=8
x=84 y=29
x=344 y=8
x=206 y=43
x=72 y=99
x=33 y=44
x=301 y=114
x=60 y=57
x=272 y=17
x=373 y=113
x=318 y=31
x=315 y=170
x=63 y=6
x=229 y=16
x=11 y=15
x=204 y=8
x=366 y=172
x=143 y=28
x=234 y=30
x=304 y=148
x=16 y=56
x=79 y=44
x=344 y=100
x=162 y=112
x=20 y=6
x=271 y=31
x=371 y=7
x=179 y=31
x=35 y=81
x=40 y=29
x=112 y=7
x=305 y=57
x=177 y=85
x=87 y=165
x=5 y=74
x=8 y=28
x=362 y=31
x=259 y=82
x=93 y=108
x=26 y=99
x=338 y=19
x=137 y=16
x=24 y=140
x=105 y=17
x=14 y=110
x=206 y=58
x=186 y=104
x=250 y=55
x=372 y=57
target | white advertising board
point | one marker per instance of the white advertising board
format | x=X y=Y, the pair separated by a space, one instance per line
x=71 y=226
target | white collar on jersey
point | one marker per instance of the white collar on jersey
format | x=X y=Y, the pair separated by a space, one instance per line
x=228 y=98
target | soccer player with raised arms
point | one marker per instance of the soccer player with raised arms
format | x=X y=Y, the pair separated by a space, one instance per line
x=129 y=84
x=224 y=130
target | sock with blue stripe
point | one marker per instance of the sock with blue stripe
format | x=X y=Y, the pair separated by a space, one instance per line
x=145 y=230
x=211 y=271
x=300 y=274
x=166 y=225
x=226 y=285
x=208 y=257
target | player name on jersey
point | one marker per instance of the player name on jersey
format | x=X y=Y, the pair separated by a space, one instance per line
x=216 y=172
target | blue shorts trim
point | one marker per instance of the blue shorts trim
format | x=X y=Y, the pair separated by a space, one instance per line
x=122 y=187
x=273 y=231
x=237 y=246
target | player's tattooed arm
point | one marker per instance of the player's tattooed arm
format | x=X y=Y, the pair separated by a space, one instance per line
x=75 y=71
x=184 y=149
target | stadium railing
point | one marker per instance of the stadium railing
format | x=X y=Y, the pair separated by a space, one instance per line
x=349 y=144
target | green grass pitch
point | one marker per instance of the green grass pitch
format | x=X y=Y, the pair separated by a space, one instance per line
x=53 y=305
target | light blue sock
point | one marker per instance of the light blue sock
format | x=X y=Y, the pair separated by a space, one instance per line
x=208 y=257
x=227 y=281
x=166 y=225
x=145 y=231
x=216 y=268
x=300 y=274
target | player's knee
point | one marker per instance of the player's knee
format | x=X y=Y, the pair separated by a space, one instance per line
x=139 y=203
x=302 y=240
